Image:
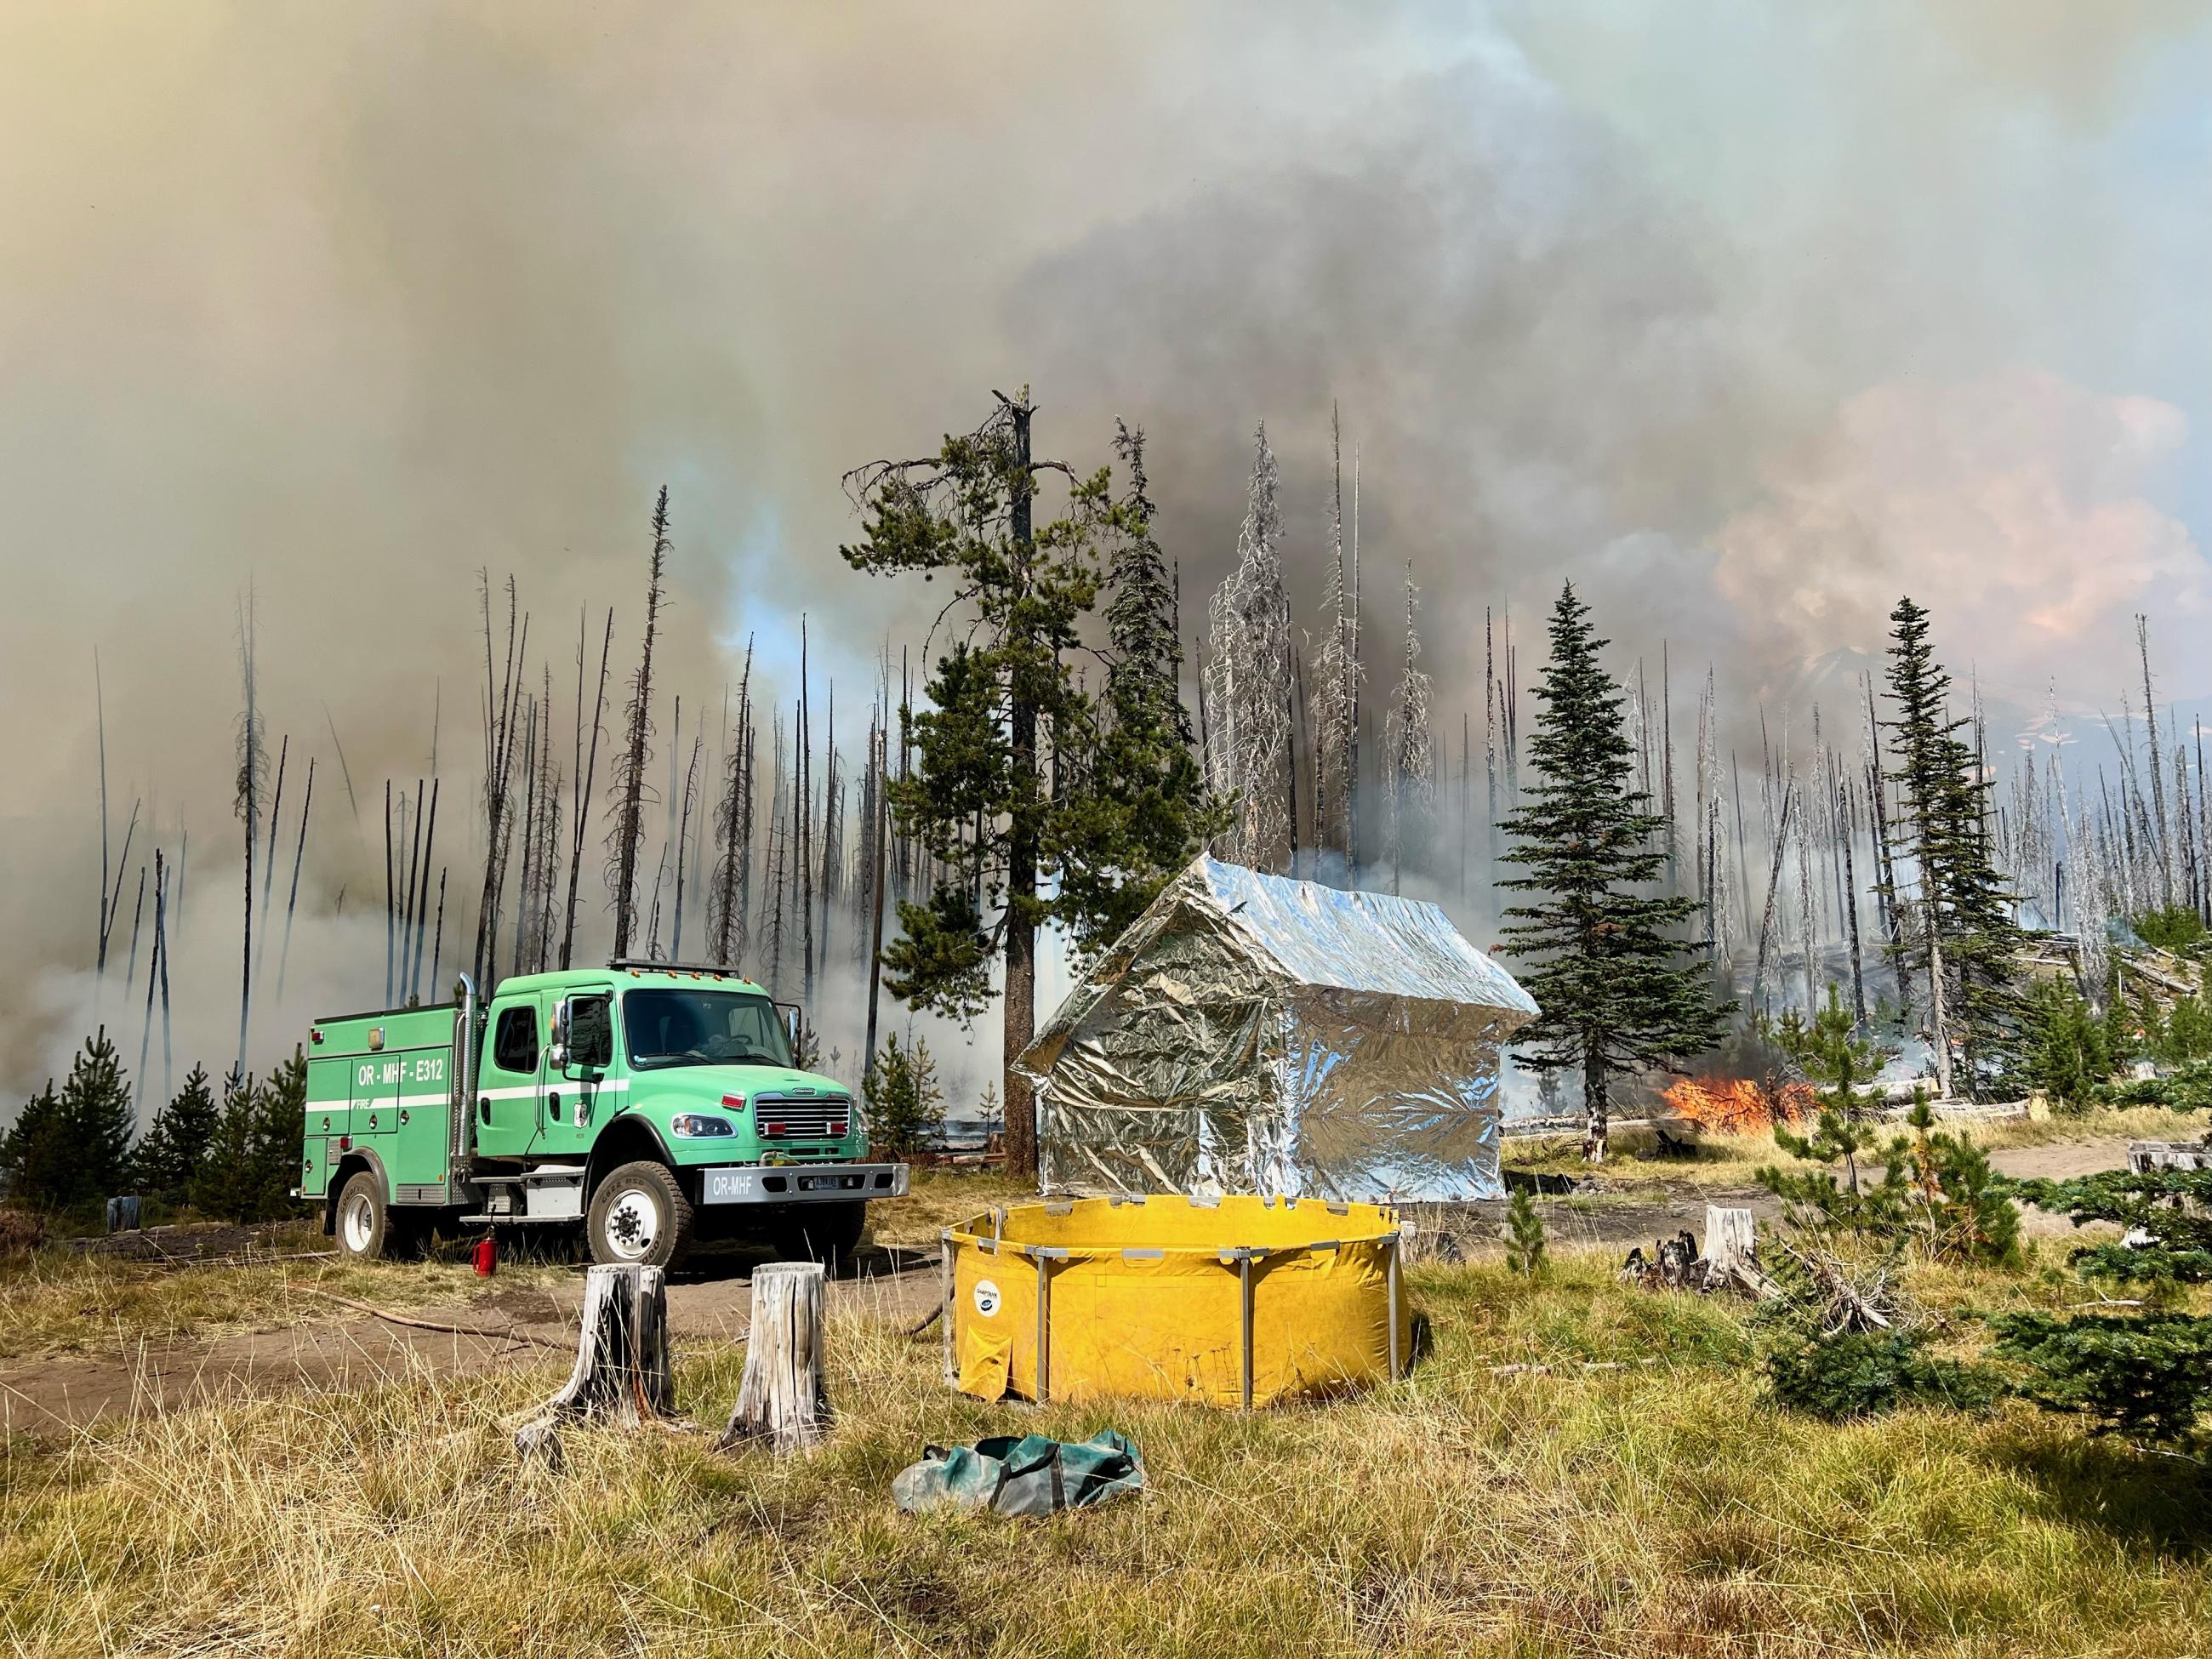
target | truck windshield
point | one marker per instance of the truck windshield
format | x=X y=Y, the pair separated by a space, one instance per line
x=703 y=1028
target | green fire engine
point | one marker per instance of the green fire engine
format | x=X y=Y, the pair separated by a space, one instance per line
x=654 y=1105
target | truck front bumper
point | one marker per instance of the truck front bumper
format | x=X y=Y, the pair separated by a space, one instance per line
x=801 y=1183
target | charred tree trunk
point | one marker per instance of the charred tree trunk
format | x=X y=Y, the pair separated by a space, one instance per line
x=1020 y=1013
x=1594 y=1100
x=629 y=782
x=299 y=858
x=587 y=770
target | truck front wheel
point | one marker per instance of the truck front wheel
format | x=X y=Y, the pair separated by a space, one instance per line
x=364 y=1224
x=640 y=1218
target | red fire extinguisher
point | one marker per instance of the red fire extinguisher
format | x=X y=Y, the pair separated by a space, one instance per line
x=486 y=1256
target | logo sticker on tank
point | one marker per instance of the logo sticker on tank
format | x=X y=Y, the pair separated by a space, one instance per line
x=986 y=1297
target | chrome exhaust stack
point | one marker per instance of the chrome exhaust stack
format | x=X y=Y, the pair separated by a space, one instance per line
x=464 y=1087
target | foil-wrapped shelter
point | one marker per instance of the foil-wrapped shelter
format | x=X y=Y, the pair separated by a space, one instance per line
x=1253 y=1034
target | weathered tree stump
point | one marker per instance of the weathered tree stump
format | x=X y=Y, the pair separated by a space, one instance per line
x=1729 y=1238
x=782 y=1399
x=1731 y=1242
x=621 y=1374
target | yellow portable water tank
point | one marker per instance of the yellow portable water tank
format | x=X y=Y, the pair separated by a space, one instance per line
x=1241 y=1302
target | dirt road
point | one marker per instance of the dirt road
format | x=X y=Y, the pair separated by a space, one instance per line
x=708 y=1300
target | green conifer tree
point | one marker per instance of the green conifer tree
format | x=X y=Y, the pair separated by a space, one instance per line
x=1006 y=791
x=223 y=1185
x=177 y=1145
x=2067 y=1053
x=1964 y=940
x=1148 y=810
x=101 y=1122
x=1605 y=956
x=2147 y=1373
x=278 y=1116
x=35 y=1154
x=905 y=1105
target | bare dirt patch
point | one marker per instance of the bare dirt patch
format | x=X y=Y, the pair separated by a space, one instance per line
x=709 y=1300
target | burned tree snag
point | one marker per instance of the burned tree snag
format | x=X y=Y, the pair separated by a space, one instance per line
x=630 y=790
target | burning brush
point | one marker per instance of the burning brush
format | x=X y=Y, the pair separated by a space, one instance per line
x=1738 y=1106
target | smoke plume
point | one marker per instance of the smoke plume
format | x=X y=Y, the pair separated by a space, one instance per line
x=1743 y=323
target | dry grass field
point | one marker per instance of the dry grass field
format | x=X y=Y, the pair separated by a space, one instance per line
x=1656 y=1504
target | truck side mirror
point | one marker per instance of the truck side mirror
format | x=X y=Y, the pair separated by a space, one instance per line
x=557 y=1051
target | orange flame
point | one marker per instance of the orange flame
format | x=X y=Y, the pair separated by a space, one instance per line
x=1738 y=1106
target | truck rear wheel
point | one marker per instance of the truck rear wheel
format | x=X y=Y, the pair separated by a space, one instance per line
x=828 y=1233
x=364 y=1222
x=640 y=1218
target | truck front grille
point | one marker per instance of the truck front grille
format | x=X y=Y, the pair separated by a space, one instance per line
x=802 y=1117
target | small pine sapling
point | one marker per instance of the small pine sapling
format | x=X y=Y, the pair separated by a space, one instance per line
x=1964 y=1206
x=2068 y=1052
x=1524 y=1235
x=905 y=1105
x=1866 y=1373
x=2146 y=1376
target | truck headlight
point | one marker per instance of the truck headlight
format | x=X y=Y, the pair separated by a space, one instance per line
x=694 y=1125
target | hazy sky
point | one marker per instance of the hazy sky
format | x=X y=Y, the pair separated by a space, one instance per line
x=1749 y=317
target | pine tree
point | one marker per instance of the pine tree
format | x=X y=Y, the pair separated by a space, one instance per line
x=1832 y=1054
x=990 y=802
x=220 y=1186
x=35 y=1154
x=2068 y=1056
x=177 y=1145
x=279 y=1108
x=2146 y=1375
x=69 y=1150
x=1147 y=811
x=100 y=1121
x=1603 y=952
x=1967 y=944
x=905 y=1105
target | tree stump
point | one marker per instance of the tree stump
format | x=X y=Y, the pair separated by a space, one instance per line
x=1729 y=1238
x=1731 y=1242
x=621 y=1374
x=782 y=1399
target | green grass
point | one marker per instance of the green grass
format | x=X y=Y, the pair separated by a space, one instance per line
x=1659 y=1508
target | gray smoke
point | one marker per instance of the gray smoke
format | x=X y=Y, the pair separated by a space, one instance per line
x=1741 y=321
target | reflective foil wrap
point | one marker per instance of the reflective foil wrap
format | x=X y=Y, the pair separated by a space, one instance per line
x=1253 y=1034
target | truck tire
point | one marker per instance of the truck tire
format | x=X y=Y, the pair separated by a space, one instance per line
x=640 y=1218
x=827 y=1233
x=363 y=1221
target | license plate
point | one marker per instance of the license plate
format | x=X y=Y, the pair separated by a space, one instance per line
x=820 y=1183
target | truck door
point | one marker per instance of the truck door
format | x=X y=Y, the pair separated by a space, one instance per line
x=511 y=1078
x=581 y=1096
